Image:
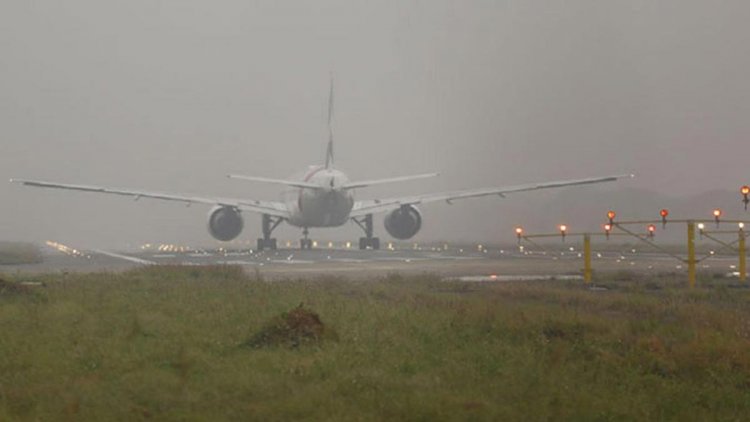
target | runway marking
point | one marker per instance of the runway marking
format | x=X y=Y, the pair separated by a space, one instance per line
x=126 y=258
x=164 y=256
x=286 y=261
x=514 y=278
x=236 y=262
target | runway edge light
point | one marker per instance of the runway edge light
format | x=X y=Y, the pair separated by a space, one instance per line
x=563 y=231
x=651 y=230
x=519 y=233
x=745 y=190
x=607 y=230
x=717 y=216
x=664 y=213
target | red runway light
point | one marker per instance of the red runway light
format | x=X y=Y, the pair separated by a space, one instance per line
x=664 y=213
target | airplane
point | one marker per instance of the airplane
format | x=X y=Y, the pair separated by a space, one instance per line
x=322 y=196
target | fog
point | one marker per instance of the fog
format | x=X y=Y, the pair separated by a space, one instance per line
x=173 y=95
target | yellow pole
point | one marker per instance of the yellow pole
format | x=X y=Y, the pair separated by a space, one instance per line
x=691 y=253
x=587 y=258
x=743 y=264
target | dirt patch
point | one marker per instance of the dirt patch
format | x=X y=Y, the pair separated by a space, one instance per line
x=292 y=329
x=9 y=289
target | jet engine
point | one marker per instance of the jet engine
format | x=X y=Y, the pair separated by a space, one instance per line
x=404 y=222
x=225 y=223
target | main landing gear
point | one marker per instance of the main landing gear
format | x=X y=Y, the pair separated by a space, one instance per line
x=367 y=242
x=269 y=224
x=305 y=243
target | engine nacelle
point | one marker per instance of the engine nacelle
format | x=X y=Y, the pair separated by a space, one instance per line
x=404 y=222
x=225 y=223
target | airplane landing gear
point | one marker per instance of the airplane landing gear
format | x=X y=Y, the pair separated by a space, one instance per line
x=305 y=243
x=269 y=224
x=367 y=242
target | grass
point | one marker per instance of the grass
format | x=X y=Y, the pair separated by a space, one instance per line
x=170 y=344
x=15 y=253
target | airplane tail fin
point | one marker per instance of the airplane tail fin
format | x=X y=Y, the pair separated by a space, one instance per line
x=329 y=151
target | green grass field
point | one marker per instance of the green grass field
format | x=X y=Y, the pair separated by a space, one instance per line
x=171 y=344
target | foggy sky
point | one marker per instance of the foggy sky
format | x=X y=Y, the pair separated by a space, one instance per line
x=172 y=95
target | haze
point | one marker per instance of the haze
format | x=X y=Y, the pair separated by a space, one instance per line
x=173 y=95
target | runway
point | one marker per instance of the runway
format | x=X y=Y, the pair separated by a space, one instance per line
x=501 y=263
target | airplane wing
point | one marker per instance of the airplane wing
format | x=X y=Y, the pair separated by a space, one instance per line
x=273 y=208
x=372 y=206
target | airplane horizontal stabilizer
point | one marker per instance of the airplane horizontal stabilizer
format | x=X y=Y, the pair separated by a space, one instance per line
x=296 y=184
x=356 y=185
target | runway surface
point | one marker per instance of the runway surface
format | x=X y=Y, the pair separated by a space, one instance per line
x=502 y=263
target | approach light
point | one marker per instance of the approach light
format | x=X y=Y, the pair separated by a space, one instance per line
x=745 y=192
x=701 y=227
x=664 y=213
x=717 y=216
x=651 y=230
x=563 y=231
x=611 y=216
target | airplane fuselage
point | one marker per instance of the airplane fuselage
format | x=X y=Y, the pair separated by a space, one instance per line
x=326 y=206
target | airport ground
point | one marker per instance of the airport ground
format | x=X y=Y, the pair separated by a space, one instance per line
x=458 y=332
x=215 y=342
x=446 y=260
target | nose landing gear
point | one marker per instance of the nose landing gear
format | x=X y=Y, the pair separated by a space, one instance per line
x=305 y=243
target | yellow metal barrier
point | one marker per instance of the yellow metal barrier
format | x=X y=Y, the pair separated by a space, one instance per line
x=587 y=271
x=691 y=261
x=743 y=264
